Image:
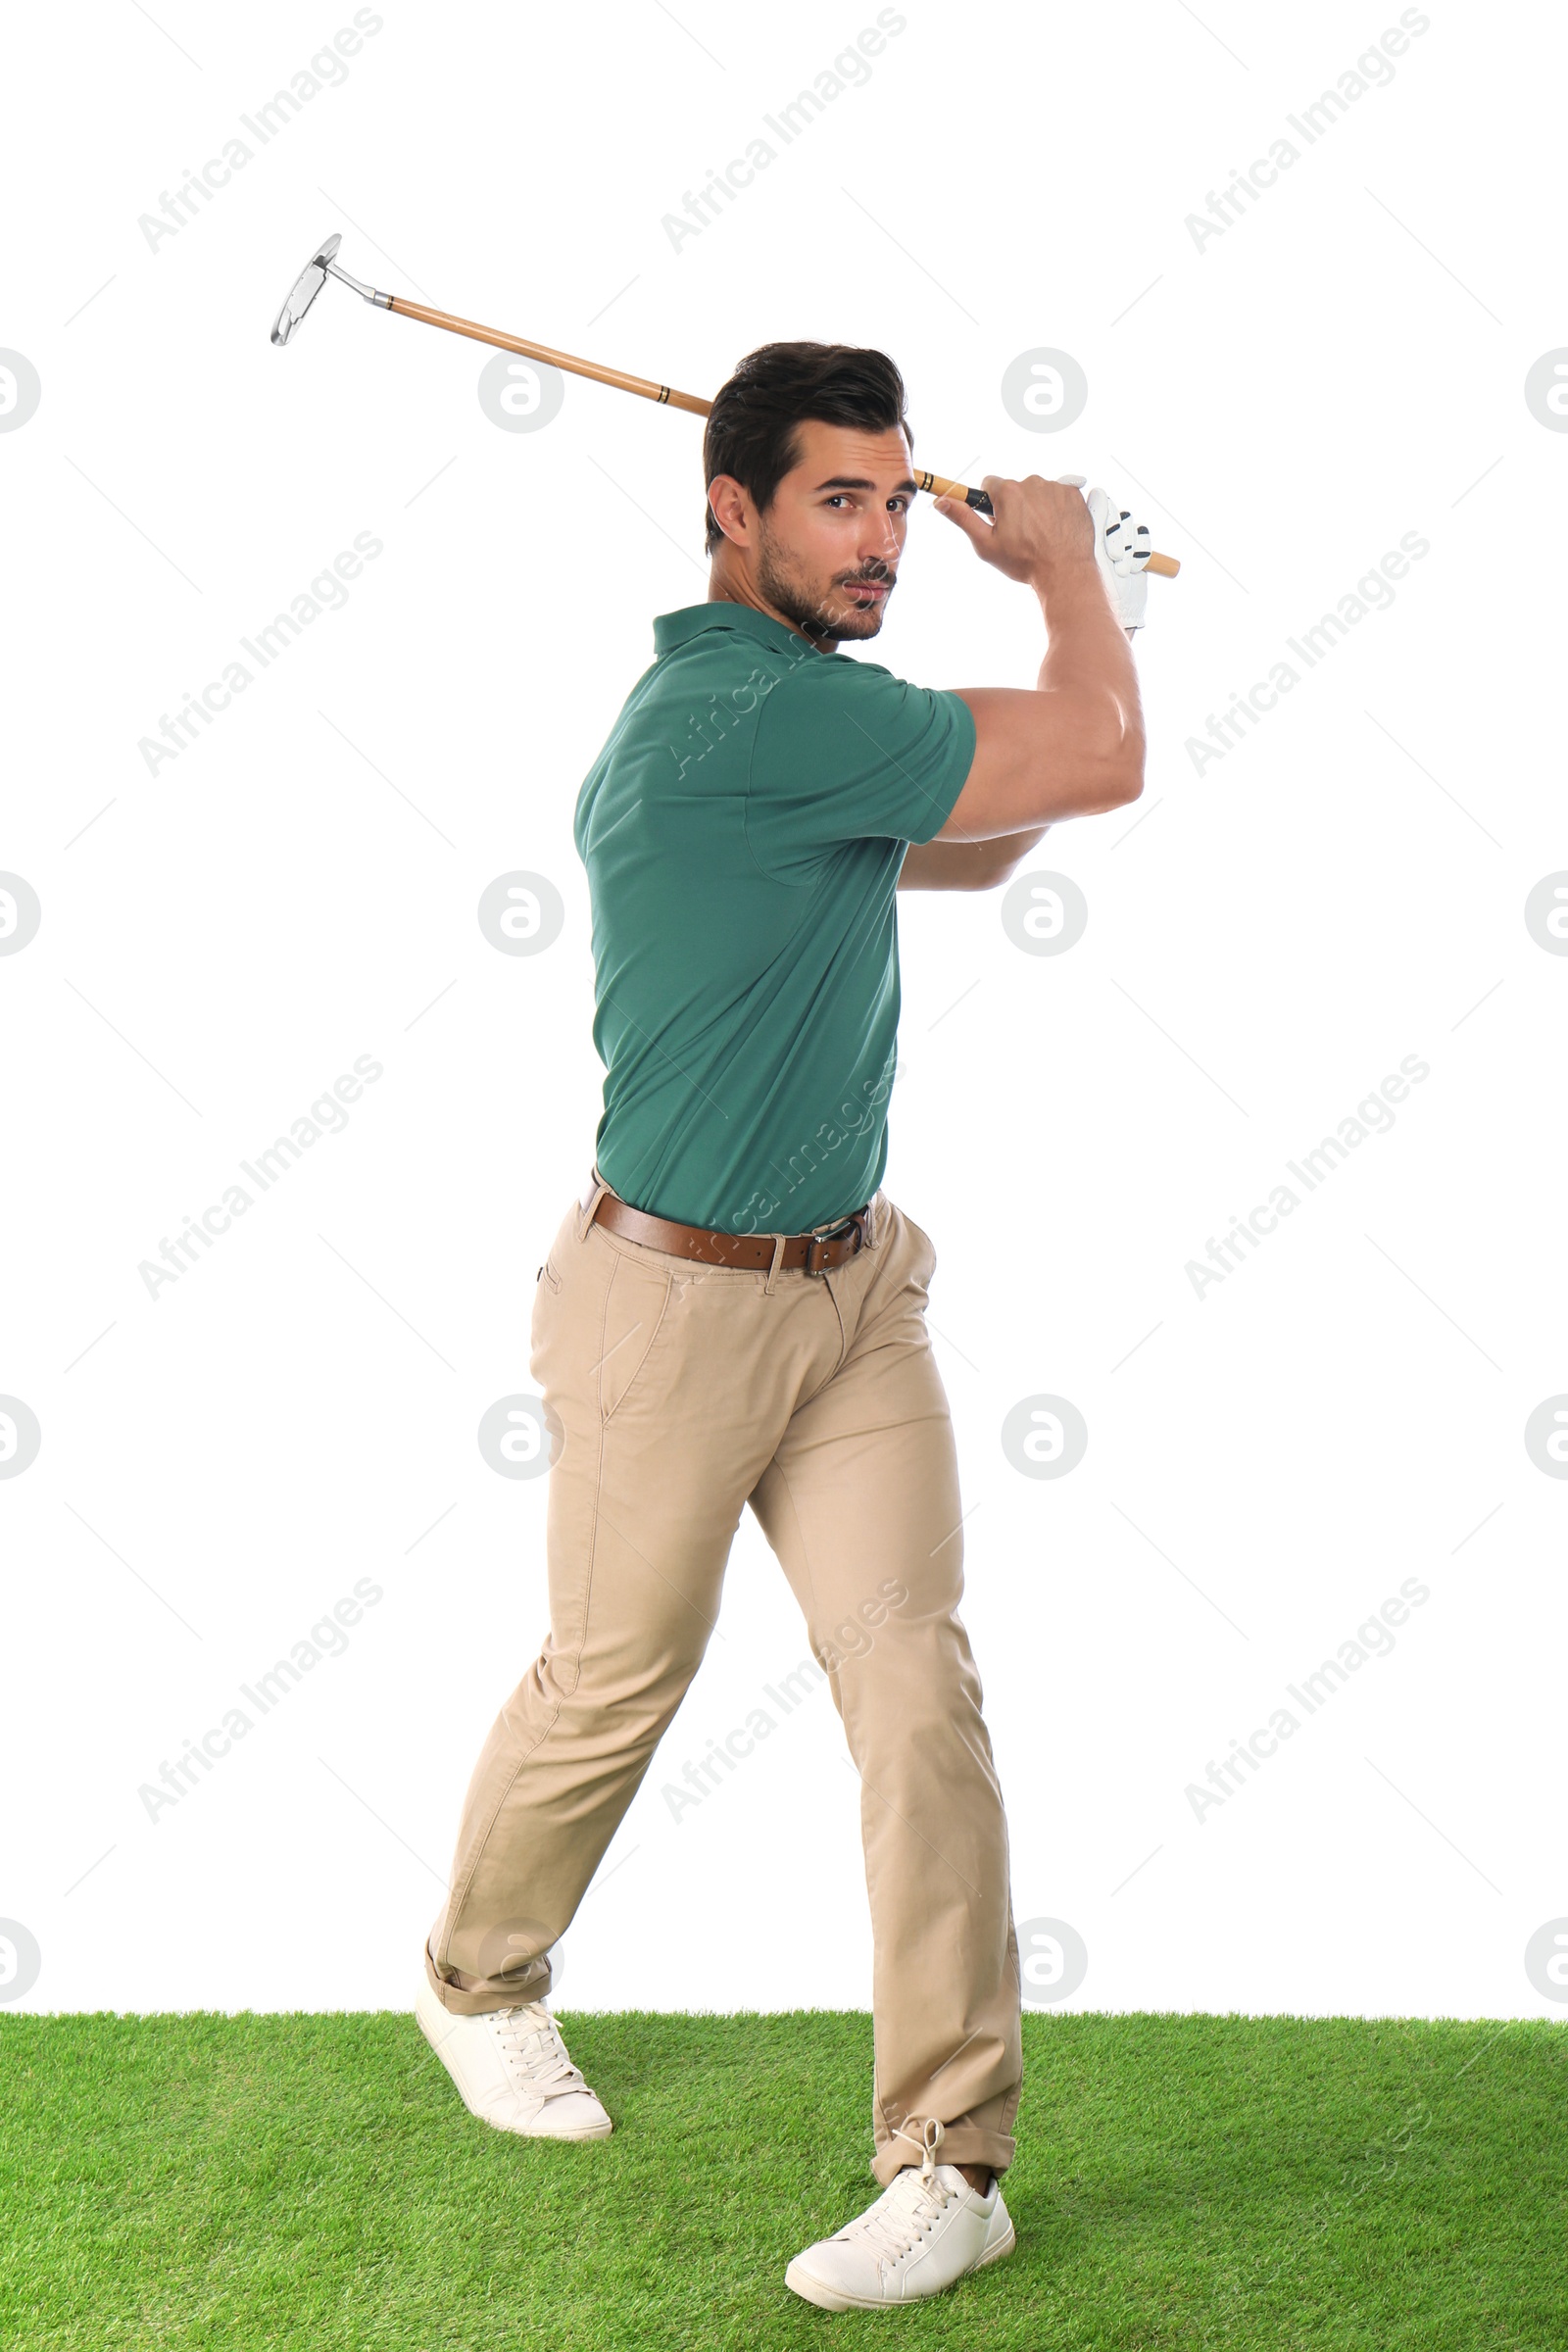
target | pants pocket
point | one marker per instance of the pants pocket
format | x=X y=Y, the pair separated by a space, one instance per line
x=635 y=1307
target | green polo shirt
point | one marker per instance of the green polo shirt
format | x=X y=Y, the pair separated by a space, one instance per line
x=742 y=830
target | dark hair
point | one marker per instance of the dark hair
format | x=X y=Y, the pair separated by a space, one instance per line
x=750 y=428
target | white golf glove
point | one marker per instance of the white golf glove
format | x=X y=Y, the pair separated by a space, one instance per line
x=1121 y=550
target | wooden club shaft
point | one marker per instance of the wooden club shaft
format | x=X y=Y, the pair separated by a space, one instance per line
x=640 y=384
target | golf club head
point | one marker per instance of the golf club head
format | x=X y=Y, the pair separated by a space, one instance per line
x=306 y=287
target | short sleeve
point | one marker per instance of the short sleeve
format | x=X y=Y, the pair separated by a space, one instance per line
x=845 y=752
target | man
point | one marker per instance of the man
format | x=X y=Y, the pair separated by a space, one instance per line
x=733 y=1312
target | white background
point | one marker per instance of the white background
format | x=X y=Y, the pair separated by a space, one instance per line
x=220 y=940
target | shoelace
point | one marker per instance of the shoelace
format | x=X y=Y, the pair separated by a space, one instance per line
x=535 y=2054
x=908 y=2207
x=902 y=2215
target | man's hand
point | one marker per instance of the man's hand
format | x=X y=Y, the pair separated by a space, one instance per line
x=1041 y=529
x=1121 y=550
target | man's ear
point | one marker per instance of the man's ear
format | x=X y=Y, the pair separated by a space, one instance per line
x=732 y=508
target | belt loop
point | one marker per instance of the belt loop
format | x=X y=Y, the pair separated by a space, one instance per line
x=779 y=1240
x=585 y=1215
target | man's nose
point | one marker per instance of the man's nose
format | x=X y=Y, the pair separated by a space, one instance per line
x=880 y=540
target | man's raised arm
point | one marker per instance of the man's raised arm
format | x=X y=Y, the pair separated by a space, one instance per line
x=1072 y=746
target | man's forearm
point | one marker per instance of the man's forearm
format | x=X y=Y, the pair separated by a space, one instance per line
x=1012 y=847
x=967 y=864
x=1088 y=655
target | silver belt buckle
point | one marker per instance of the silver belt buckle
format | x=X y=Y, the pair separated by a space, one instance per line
x=856 y=1220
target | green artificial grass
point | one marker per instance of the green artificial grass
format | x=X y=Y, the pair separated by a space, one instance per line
x=314 y=2181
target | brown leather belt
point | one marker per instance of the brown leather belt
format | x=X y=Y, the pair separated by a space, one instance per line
x=814 y=1251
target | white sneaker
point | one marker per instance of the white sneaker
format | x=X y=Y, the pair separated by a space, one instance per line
x=512 y=2069
x=927 y=2229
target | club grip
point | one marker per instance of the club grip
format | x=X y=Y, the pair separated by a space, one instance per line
x=1166 y=567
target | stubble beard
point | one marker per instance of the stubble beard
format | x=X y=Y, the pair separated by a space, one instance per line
x=808 y=608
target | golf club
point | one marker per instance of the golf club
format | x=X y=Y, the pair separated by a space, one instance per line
x=323 y=264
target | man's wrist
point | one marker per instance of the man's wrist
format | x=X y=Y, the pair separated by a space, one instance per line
x=1063 y=576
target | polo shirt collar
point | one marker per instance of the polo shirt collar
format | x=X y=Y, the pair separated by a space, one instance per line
x=675 y=628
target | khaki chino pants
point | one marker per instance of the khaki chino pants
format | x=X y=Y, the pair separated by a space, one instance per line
x=681 y=1391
